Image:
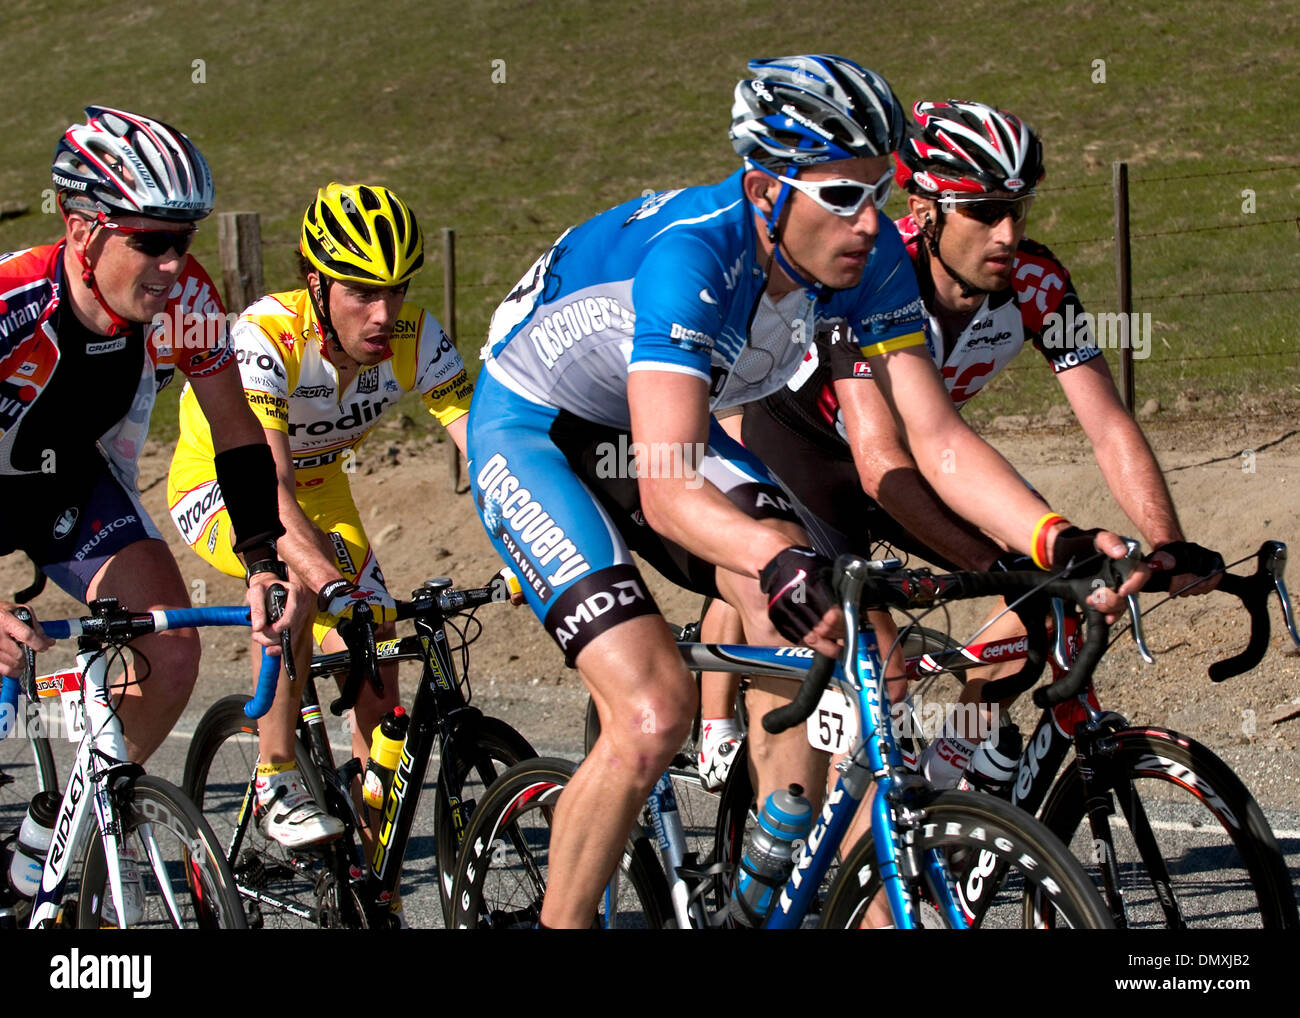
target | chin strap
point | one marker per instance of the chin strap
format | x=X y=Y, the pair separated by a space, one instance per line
x=930 y=231
x=322 y=312
x=118 y=324
x=772 y=219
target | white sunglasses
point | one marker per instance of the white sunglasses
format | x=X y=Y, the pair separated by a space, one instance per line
x=840 y=197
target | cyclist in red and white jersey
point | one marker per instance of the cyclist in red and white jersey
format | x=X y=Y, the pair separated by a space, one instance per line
x=970 y=171
x=91 y=328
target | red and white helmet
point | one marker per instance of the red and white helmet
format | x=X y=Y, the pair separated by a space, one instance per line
x=965 y=147
x=125 y=164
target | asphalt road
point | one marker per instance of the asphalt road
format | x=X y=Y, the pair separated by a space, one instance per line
x=1201 y=860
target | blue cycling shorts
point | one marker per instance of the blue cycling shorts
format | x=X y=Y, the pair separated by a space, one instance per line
x=559 y=498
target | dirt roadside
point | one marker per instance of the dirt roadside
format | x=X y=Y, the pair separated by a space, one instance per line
x=1236 y=481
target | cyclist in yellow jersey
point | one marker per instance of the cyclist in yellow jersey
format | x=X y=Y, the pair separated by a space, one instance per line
x=319 y=367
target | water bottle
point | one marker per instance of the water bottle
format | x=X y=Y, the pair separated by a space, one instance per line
x=385 y=752
x=33 y=841
x=785 y=818
x=992 y=766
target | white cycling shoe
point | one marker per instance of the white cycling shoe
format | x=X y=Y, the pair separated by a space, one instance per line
x=128 y=858
x=289 y=814
x=715 y=762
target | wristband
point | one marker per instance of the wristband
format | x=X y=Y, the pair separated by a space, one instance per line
x=1045 y=523
x=267 y=565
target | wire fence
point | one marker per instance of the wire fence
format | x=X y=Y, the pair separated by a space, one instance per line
x=1225 y=291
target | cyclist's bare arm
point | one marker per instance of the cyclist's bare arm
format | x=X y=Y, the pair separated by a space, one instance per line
x=966 y=472
x=302 y=546
x=221 y=398
x=670 y=413
x=1125 y=458
x=457 y=430
x=889 y=474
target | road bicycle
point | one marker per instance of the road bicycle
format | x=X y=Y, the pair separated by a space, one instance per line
x=1165 y=828
x=109 y=804
x=919 y=841
x=335 y=885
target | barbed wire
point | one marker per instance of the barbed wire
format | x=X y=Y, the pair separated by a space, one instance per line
x=1217 y=293
x=1189 y=229
x=1173 y=176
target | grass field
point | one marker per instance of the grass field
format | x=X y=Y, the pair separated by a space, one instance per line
x=510 y=120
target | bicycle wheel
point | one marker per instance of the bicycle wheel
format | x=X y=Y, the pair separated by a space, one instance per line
x=26 y=766
x=283 y=888
x=188 y=868
x=1223 y=864
x=479 y=753
x=978 y=836
x=502 y=871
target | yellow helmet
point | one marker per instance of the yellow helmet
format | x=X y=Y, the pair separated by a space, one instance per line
x=362 y=234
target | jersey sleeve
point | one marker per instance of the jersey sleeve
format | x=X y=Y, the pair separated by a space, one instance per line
x=888 y=315
x=1050 y=308
x=196 y=327
x=441 y=378
x=264 y=374
x=677 y=294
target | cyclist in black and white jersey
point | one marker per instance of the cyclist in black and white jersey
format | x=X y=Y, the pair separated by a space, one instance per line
x=970 y=171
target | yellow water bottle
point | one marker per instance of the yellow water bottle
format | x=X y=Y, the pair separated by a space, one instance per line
x=385 y=751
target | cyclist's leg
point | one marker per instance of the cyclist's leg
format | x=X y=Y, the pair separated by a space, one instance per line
x=719 y=733
x=526 y=465
x=113 y=549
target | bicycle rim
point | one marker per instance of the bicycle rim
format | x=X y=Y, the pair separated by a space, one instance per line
x=26 y=767
x=504 y=866
x=990 y=848
x=282 y=888
x=186 y=885
x=1223 y=864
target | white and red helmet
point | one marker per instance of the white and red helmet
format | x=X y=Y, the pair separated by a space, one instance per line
x=968 y=148
x=120 y=163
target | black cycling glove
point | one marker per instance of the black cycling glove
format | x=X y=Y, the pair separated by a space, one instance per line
x=798 y=588
x=1073 y=546
x=1188 y=558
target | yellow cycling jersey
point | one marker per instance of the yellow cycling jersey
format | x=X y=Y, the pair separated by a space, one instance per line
x=292 y=386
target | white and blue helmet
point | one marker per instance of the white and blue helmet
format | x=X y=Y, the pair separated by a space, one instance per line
x=802 y=110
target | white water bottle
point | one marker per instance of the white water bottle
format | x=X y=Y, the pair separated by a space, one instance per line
x=33 y=841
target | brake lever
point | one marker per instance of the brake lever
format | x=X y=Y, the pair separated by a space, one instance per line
x=1272 y=558
x=1121 y=568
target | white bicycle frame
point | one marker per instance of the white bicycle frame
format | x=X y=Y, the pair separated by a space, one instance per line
x=100 y=752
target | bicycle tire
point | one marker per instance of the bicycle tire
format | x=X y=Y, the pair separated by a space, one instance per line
x=201 y=882
x=282 y=888
x=463 y=780
x=1216 y=844
x=501 y=873
x=961 y=824
x=26 y=766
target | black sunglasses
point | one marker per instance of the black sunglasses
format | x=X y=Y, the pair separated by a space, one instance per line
x=989 y=211
x=155 y=243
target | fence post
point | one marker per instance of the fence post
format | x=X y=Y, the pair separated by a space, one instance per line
x=1124 y=283
x=449 y=323
x=239 y=236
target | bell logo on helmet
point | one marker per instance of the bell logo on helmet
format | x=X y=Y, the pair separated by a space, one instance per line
x=925 y=180
x=1015 y=184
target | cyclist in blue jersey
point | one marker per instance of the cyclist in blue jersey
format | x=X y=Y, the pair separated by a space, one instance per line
x=590 y=433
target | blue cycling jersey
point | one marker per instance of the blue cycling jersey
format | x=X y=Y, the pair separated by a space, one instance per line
x=673 y=282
